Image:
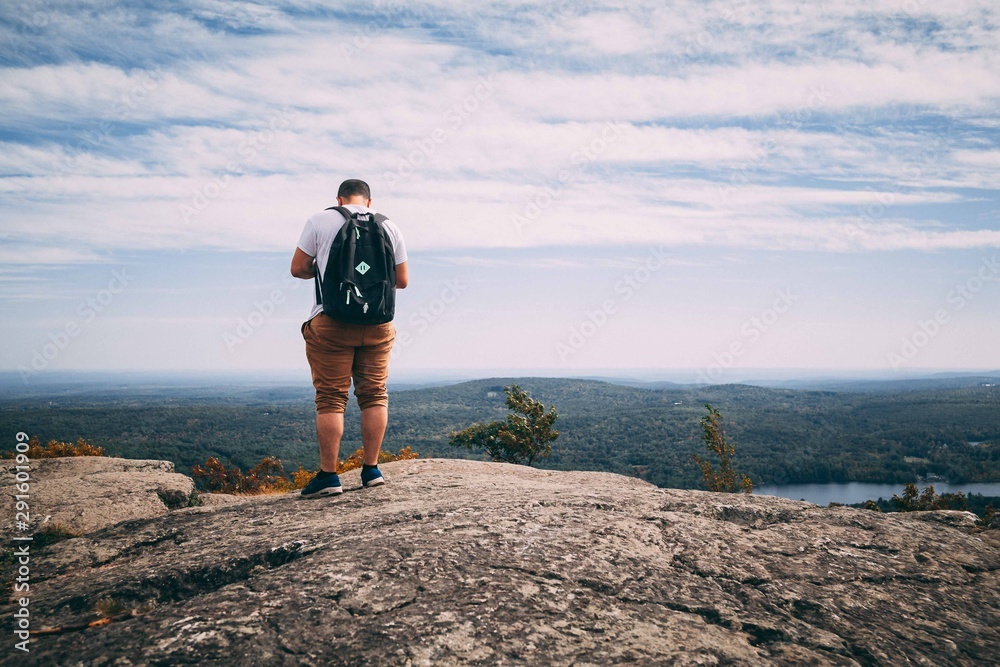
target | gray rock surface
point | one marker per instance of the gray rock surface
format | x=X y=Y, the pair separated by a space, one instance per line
x=209 y=499
x=462 y=562
x=86 y=493
x=954 y=518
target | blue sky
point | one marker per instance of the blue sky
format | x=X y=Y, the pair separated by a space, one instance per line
x=711 y=187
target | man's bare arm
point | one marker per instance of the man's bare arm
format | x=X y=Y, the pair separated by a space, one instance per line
x=302 y=265
x=402 y=276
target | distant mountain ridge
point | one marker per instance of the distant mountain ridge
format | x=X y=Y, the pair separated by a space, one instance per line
x=60 y=383
x=782 y=435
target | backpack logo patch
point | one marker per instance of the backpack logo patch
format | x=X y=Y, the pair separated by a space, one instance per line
x=362 y=268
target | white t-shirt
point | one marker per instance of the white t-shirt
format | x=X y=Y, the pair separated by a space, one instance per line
x=321 y=229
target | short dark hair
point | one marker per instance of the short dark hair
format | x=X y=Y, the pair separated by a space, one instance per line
x=353 y=187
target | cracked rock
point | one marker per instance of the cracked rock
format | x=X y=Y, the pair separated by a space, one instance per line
x=470 y=563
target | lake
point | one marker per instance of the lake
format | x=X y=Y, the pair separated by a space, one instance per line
x=857 y=492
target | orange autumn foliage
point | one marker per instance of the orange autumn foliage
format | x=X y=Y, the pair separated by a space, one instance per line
x=55 y=448
x=269 y=475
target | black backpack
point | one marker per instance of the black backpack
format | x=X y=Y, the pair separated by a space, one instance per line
x=359 y=282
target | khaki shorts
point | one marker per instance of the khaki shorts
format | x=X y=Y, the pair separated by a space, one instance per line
x=338 y=352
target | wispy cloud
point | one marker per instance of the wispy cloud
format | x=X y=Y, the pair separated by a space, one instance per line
x=741 y=123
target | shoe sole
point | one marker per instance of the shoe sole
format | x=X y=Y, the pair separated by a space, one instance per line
x=378 y=481
x=329 y=491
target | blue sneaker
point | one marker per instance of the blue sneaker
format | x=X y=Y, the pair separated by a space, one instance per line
x=371 y=477
x=328 y=486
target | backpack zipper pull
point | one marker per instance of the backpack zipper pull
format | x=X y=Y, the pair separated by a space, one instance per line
x=358 y=232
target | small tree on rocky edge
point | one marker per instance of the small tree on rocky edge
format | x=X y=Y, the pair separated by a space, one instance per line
x=726 y=479
x=525 y=435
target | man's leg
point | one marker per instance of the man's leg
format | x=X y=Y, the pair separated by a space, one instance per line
x=373 y=423
x=329 y=431
x=371 y=371
x=330 y=351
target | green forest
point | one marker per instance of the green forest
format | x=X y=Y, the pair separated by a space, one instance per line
x=782 y=436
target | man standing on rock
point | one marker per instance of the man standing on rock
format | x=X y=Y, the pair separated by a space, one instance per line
x=349 y=333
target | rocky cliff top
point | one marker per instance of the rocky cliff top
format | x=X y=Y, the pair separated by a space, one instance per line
x=81 y=494
x=460 y=562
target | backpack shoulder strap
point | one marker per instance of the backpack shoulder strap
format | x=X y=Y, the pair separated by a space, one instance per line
x=319 y=291
x=387 y=242
x=348 y=216
x=343 y=211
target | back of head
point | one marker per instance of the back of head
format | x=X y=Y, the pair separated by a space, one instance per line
x=354 y=188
